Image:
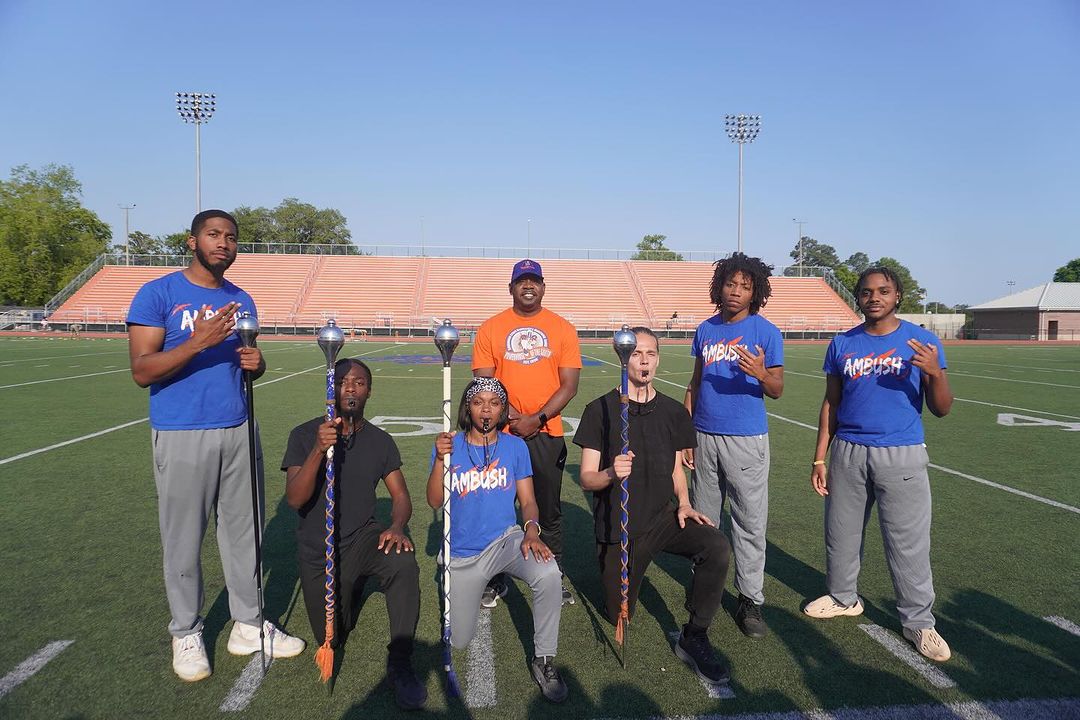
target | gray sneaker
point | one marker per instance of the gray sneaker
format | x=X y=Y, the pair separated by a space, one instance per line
x=567 y=596
x=547 y=677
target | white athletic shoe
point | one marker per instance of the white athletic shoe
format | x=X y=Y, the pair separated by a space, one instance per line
x=244 y=640
x=826 y=607
x=189 y=659
x=929 y=644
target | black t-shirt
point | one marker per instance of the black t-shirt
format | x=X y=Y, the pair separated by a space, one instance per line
x=658 y=429
x=359 y=464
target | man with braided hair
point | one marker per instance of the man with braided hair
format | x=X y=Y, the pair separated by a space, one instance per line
x=739 y=358
x=363 y=455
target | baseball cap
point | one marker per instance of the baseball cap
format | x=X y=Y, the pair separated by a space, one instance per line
x=526 y=267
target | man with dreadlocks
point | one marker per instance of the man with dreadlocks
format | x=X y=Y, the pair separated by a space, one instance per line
x=363 y=455
x=489 y=470
x=739 y=358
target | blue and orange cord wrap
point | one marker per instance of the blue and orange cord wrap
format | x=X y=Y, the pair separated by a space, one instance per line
x=324 y=656
x=624 y=518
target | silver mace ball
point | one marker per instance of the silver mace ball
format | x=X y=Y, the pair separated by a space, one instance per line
x=247 y=328
x=624 y=342
x=331 y=340
x=446 y=339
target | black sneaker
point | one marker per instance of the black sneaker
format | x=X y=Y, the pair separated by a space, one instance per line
x=547 y=677
x=408 y=691
x=496 y=589
x=694 y=649
x=748 y=618
x=567 y=596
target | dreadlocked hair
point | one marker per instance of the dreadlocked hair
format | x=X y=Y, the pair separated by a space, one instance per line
x=753 y=268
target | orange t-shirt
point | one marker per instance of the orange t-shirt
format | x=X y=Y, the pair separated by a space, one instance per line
x=527 y=353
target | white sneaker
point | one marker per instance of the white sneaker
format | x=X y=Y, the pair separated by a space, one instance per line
x=244 y=640
x=826 y=607
x=929 y=644
x=189 y=659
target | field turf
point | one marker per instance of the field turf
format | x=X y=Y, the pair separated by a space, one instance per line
x=80 y=558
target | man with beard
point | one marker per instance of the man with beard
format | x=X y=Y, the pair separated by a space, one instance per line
x=363 y=455
x=535 y=354
x=182 y=346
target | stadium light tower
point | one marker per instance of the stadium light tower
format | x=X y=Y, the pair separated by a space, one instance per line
x=196 y=108
x=127 y=231
x=798 y=241
x=742 y=129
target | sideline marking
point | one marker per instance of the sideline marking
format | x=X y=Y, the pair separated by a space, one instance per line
x=29 y=667
x=1064 y=623
x=243 y=690
x=70 y=377
x=989 y=483
x=480 y=681
x=717 y=691
x=909 y=657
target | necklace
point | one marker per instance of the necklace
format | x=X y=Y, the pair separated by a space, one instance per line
x=487 y=455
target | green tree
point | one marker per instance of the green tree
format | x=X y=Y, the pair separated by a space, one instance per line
x=292 y=223
x=139 y=243
x=816 y=254
x=46 y=236
x=858 y=262
x=652 y=247
x=1069 y=272
x=938 y=308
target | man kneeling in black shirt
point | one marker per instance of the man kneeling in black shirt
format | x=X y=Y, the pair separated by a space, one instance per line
x=660 y=429
x=363 y=455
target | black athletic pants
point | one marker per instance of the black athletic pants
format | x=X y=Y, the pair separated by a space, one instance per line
x=704 y=545
x=357 y=560
x=548 y=456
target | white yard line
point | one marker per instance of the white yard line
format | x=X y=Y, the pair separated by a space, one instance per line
x=1023 y=367
x=1064 y=623
x=953 y=373
x=243 y=690
x=30 y=666
x=60 y=379
x=908 y=656
x=65 y=357
x=480 y=689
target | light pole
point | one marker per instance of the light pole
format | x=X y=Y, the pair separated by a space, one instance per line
x=798 y=240
x=742 y=129
x=196 y=108
x=127 y=232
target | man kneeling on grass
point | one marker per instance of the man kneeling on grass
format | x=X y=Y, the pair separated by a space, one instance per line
x=489 y=469
x=363 y=455
x=660 y=429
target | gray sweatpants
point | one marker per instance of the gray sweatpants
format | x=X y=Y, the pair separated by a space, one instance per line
x=197 y=471
x=469 y=576
x=896 y=478
x=736 y=468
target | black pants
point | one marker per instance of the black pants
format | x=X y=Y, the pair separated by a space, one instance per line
x=704 y=545
x=548 y=456
x=357 y=560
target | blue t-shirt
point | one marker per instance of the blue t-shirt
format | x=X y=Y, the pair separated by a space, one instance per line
x=882 y=400
x=730 y=402
x=482 y=496
x=207 y=392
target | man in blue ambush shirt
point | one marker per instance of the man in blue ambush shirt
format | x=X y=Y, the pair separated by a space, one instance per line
x=182 y=346
x=877 y=375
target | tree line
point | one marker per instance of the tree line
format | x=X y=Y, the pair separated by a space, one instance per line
x=47 y=238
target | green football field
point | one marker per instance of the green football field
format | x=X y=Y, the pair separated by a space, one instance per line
x=80 y=560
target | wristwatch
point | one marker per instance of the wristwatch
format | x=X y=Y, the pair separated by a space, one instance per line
x=543 y=418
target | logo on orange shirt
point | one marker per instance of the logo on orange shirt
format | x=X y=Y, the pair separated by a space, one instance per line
x=527 y=345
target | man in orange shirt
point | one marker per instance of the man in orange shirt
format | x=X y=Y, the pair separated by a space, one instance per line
x=535 y=354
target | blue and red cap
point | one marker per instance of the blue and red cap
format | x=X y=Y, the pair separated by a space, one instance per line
x=526 y=267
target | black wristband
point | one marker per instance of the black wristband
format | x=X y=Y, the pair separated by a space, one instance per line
x=543 y=418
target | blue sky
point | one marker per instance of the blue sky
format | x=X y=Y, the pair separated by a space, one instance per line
x=944 y=134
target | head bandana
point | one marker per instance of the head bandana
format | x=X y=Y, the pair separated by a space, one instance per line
x=485 y=384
